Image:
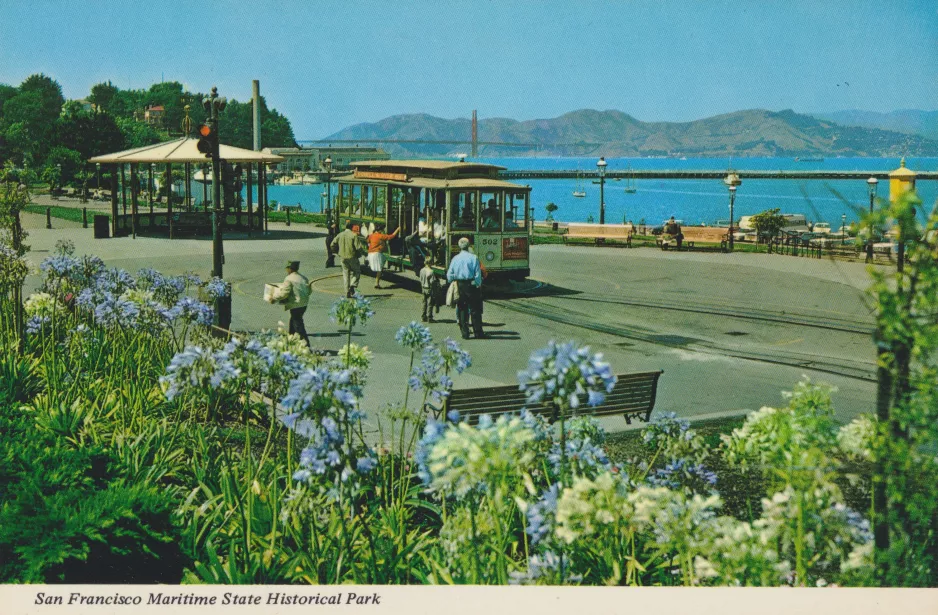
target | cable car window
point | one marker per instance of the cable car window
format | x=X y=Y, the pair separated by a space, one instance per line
x=514 y=210
x=381 y=198
x=463 y=214
x=368 y=192
x=345 y=198
x=492 y=212
x=355 y=204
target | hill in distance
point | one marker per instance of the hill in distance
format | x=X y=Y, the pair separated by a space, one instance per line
x=909 y=121
x=754 y=132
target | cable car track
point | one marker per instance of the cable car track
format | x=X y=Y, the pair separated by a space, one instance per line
x=858 y=370
x=788 y=318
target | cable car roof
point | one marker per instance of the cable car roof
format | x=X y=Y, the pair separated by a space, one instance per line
x=434 y=174
x=437 y=183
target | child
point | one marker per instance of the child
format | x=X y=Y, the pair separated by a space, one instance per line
x=429 y=284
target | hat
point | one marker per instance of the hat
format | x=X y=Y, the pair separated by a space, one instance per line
x=294 y=265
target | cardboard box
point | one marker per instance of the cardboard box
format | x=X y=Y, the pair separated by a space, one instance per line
x=269 y=291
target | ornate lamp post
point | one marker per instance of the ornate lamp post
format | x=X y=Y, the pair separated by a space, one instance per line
x=213 y=105
x=601 y=167
x=327 y=163
x=872 y=183
x=843 y=229
x=732 y=181
x=97 y=169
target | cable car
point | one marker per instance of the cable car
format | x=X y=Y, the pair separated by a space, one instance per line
x=435 y=203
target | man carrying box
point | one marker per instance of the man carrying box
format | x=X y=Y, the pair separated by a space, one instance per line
x=294 y=295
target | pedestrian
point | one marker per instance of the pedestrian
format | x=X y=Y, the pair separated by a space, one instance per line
x=331 y=233
x=465 y=271
x=430 y=286
x=294 y=295
x=415 y=251
x=350 y=247
x=377 y=247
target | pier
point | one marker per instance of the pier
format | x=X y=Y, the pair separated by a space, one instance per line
x=522 y=174
x=703 y=174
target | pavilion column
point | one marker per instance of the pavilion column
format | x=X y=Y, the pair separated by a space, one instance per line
x=169 y=197
x=114 y=200
x=262 y=182
x=188 y=191
x=123 y=192
x=133 y=200
x=150 y=192
x=250 y=199
x=205 y=187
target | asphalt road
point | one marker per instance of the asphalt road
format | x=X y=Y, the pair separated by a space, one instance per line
x=730 y=331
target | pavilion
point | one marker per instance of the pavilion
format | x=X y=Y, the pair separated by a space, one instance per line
x=182 y=151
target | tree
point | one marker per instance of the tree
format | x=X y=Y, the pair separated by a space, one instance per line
x=68 y=160
x=551 y=208
x=137 y=134
x=769 y=223
x=29 y=118
x=6 y=93
x=49 y=93
x=102 y=97
x=89 y=134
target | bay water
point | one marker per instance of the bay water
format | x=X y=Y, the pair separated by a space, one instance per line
x=691 y=200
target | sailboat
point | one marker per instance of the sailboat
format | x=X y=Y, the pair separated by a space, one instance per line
x=629 y=182
x=578 y=191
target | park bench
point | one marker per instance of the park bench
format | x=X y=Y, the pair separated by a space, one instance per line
x=698 y=234
x=633 y=396
x=599 y=233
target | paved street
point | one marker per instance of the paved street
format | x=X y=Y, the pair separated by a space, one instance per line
x=730 y=331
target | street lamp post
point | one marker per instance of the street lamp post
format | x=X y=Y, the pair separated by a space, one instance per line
x=327 y=163
x=843 y=229
x=732 y=181
x=97 y=168
x=213 y=105
x=871 y=183
x=601 y=167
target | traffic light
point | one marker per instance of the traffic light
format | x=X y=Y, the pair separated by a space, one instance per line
x=206 y=143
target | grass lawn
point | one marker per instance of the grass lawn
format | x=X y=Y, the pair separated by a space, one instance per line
x=63 y=213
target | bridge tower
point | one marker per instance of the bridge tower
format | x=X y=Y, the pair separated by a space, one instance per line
x=475 y=135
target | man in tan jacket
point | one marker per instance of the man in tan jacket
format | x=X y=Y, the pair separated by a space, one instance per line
x=351 y=247
x=294 y=295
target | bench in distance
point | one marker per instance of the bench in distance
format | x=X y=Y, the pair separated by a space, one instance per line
x=698 y=234
x=633 y=396
x=599 y=233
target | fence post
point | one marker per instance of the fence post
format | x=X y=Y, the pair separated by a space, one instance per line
x=84 y=217
x=288 y=215
x=48 y=217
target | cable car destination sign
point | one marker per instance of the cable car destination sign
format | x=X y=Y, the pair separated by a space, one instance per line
x=386 y=176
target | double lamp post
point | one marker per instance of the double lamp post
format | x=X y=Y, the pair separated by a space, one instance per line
x=213 y=105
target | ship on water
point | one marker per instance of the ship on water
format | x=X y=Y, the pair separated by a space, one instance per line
x=809 y=159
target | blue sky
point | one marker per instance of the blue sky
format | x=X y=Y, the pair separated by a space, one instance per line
x=330 y=65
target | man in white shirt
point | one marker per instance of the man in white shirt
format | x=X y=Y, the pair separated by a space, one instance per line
x=294 y=295
x=465 y=271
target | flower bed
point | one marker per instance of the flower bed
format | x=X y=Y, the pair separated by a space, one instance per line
x=138 y=448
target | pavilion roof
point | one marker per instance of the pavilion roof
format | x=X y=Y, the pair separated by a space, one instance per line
x=182 y=150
